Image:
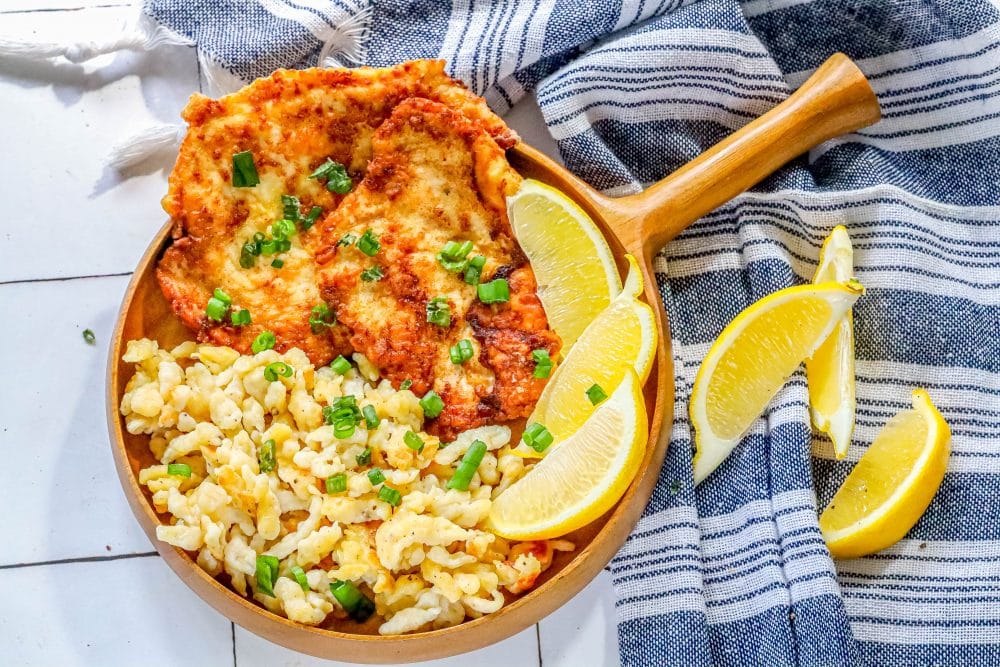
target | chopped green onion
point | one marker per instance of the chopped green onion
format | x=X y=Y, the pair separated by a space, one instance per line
x=365 y=457
x=222 y=296
x=321 y=317
x=216 y=309
x=439 y=312
x=461 y=351
x=343 y=414
x=248 y=254
x=371 y=418
x=357 y=605
x=258 y=238
x=240 y=318
x=475 y=270
x=265 y=340
x=467 y=468
x=266 y=574
x=307 y=222
x=376 y=476
x=432 y=404
x=324 y=169
x=266 y=455
x=336 y=483
x=537 y=437
x=278 y=263
x=340 y=365
x=413 y=441
x=268 y=247
x=282 y=229
x=405 y=384
x=89 y=337
x=495 y=291
x=336 y=176
x=274 y=369
x=453 y=256
x=596 y=394
x=344 y=428
x=179 y=469
x=282 y=245
x=368 y=243
x=346 y=240
x=300 y=576
x=390 y=495
x=291 y=208
x=244 y=170
x=543 y=363
x=372 y=275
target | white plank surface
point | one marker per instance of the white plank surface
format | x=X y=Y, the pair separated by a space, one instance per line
x=64 y=501
x=121 y=612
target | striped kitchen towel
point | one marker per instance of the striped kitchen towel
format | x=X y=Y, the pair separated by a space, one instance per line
x=735 y=572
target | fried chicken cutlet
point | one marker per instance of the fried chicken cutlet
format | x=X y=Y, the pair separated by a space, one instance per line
x=436 y=177
x=290 y=123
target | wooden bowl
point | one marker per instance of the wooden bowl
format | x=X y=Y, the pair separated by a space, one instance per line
x=836 y=99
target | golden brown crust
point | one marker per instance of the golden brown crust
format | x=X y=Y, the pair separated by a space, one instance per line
x=434 y=177
x=292 y=122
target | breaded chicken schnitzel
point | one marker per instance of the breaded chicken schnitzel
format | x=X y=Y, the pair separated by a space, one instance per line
x=399 y=281
x=285 y=126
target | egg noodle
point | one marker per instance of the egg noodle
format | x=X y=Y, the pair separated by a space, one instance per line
x=267 y=485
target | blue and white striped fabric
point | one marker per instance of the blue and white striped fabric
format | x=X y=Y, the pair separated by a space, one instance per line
x=735 y=572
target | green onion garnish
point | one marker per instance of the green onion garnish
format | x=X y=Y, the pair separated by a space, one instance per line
x=244 y=170
x=343 y=414
x=258 y=238
x=405 y=384
x=89 y=337
x=368 y=243
x=432 y=404
x=268 y=247
x=376 y=476
x=340 y=365
x=543 y=363
x=266 y=574
x=475 y=270
x=321 y=317
x=357 y=605
x=336 y=176
x=365 y=457
x=344 y=428
x=240 y=318
x=596 y=394
x=461 y=351
x=372 y=275
x=390 y=495
x=413 y=441
x=274 y=369
x=179 y=469
x=346 y=240
x=216 y=309
x=467 y=468
x=282 y=229
x=537 y=437
x=282 y=245
x=336 y=483
x=371 y=419
x=248 y=254
x=266 y=455
x=439 y=312
x=307 y=222
x=222 y=296
x=291 y=208
x=265 y=340
x=453 y=256
x=278 y=263
x=495 y=291
x=300 y=576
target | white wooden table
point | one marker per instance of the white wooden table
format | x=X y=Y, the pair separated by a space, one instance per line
x=81 y=584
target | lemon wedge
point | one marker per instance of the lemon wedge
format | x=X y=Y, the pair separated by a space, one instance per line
x=623 y=337
x=830 y=370
x=582 y=478
x=573 y=264
x=891 y=485
x=752 y=358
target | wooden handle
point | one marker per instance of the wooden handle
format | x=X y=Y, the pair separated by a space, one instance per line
x=836 y=99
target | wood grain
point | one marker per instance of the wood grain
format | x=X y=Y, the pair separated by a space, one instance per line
x=836 y=99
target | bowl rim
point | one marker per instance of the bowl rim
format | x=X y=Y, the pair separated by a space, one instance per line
x=513 y=617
